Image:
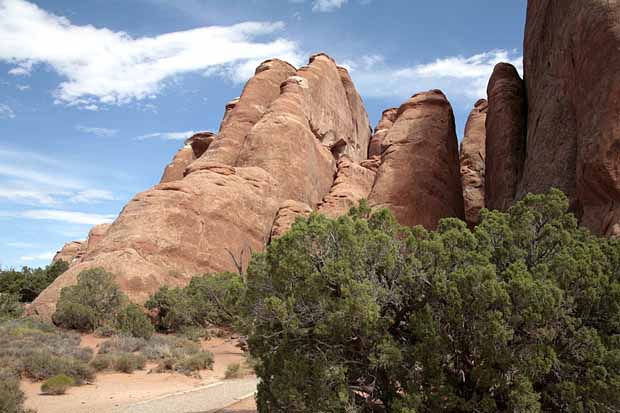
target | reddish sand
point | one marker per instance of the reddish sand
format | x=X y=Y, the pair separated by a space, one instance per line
x=114 y=389
x=245 y=406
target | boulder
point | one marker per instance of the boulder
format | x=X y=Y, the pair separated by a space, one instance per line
x=286 y=216
x=176 y=230
x=194 y=148
x=419 y=176
x=70 y=252
x=505 y=136
x=472 y=160
x=381 y=130
x=353 y=183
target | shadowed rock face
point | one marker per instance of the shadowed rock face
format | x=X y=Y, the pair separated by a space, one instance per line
x=286 y=216
x=353 y=183
x=381 y=130
x=419 y=176
x=505 y=136
x=572 y=73
x=472 y=159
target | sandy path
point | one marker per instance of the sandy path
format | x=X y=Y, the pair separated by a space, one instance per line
x=212 y=398
x=115 y=390
x=245 y=406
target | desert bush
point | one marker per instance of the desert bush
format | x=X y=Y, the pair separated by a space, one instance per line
x=106 y=330
x=129 y=362
x=233 y=371
x=161 y=347
x=28 y=283
x=193 y=333
x=57 y=385
x=122 y=344
x=92 y=302
x=11 y=395
x=10 y=307
x=40 y=351
x=132 y=320
x=42 y=364
x=361 y=314
x=195 y=362
x=209 y=300
x=102 y=362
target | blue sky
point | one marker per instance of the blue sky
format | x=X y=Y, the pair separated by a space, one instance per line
x=96 y=96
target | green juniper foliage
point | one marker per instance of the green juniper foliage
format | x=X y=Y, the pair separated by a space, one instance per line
x=361 y=314
x=28 y=283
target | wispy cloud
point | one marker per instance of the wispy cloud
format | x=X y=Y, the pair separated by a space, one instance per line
x=29 y=178
x=462 y=78
x=169 y=136
x=71 y=217
x=103 y=67
x=46 y=256
x=6 y=112
x=327 y=5
x=97 y=131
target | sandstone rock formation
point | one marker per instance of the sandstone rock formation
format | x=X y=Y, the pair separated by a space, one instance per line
x=505 y=136
x=419 y=176
x=70 y=252
x=279 y=141
x=572 y=73
x=472 y=161
x=286 y=216
x=388 y=117
x=353 y=183
x=193 y=149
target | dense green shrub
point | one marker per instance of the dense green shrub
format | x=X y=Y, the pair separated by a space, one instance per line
x=209 y=300
x=11 y=396
x=42 y=364
x=132 y=320
x=361 y=314
x=57 y=385
x=10 y=307
x=95 y=300
x=102 y=362
x=28 y=283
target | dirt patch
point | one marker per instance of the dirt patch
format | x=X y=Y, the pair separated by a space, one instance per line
x=245 y=406
x=111 y=390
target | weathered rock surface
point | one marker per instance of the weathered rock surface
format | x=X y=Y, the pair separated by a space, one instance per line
x=357 y=145
x=286 y=216
x=505 y=136
x=95 y=235
x=353 y=183
x=572 y=72
x=176 y=230
x=388 y=117
x=304 y=130
x=194 y=147
x=70 y=252
x=243 y=113
x=419 y=176
x=472 y=160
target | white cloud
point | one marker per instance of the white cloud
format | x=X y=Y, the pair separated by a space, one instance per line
x=19 y=244
x=169 y=136
x=46 y=256
x=29 y=178
x=463 y=79
x=97 y=131
x=103 y=67
x=327 y=5
x=21 y=88
x=90 y=196
x=72 y=217
x=6 y=111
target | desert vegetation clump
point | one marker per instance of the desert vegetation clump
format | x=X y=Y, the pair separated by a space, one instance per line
x=57 y=385
x=208 y=300
x=360 y=314
x=233 y=371
x=26 y=284
x=39 y=351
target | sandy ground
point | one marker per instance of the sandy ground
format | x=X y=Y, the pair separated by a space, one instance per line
x=112 y=390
